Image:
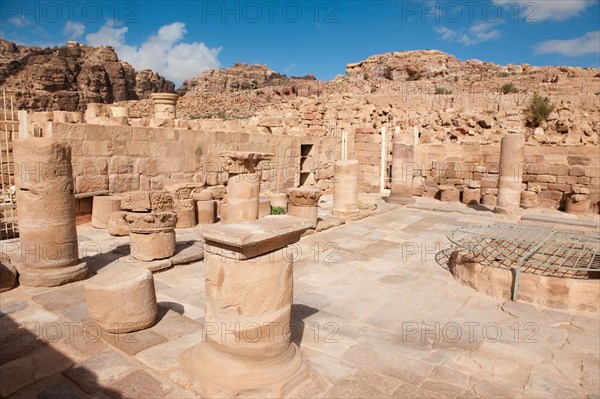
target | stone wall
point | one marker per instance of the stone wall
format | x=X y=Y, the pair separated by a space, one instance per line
x=547 y=170
x=126 y=158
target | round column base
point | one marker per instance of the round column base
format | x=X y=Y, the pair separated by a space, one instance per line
x=44 y=277
x=400 y=199
x=216 y=374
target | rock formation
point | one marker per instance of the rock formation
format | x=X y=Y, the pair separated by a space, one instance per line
x=70 y=77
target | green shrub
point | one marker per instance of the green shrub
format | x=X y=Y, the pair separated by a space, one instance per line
x=442 y=90
x=539 y=109
x=277 y=210
x=509 y=88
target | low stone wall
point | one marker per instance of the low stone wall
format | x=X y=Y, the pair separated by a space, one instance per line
x=126 y=158
x=548 y=171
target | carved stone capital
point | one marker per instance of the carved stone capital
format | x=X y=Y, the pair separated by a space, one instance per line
x=304 y=196
x=151 y=222
x=243 y=161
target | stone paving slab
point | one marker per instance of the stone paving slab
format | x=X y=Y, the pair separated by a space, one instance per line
x=376 y=314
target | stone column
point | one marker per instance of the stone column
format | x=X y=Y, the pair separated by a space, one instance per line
x=242 y=201
x=102 y=207
x=165 y=105
x=510 y=173
x=402 y=169
x=247 y=346
x=206 y=207
x=152 y=235
x=303 y=202
x=48 y=237
x=345 y=189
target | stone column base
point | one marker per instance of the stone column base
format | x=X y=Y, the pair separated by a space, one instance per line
x=51 y=277
x=400 y=199
x=214 y=374
x=508 y=211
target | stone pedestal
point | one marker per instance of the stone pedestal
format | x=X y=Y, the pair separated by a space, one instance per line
x=402 y=169
x=264 y=207
x=449 y=194
x=345 y=189
x=122 y=299
x=249 y=284
x=303 y=202
x=165 y=105
x=102 y=207
x=48 y=237
x=186 y=213
x=510 y=173
x=152 y=235
x=241 y=203
x=488 y=200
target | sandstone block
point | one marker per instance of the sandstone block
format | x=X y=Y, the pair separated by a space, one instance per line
x=117 y=224
x=122 y=299
x=137 y=201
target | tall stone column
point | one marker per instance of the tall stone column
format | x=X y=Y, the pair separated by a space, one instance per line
x=48 y=237
x=510 y=173
x=402 y=169
x=247 y=348
x=242 y=201
x=345 y=188
x=165 y=105
x=303 y=202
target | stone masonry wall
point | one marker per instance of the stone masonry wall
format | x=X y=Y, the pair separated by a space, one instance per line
x=548 y=171
x=126 y=158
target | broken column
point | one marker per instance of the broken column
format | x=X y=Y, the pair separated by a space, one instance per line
x=402 y=169
x=345 y=189
x=303 y=202
x=122 y=299
x=102 y=207
x=247 y=348
x=206 y=207
x=510 y=173
x=242 y=201
x=578 y=201
x=164 y=105
x=48 y=237
x=152 y=235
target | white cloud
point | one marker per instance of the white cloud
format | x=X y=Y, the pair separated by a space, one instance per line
x=583 y=45
x=73 y=30
x=163 y=52
x=477 y=33
x=19 y=21
x=533 y=11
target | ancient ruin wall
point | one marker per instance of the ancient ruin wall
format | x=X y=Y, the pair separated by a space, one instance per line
x=126 y=158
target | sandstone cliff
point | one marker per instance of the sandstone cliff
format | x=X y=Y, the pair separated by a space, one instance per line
x=69 y=77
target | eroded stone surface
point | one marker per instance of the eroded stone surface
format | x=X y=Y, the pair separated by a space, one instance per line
x=102 y=208
x=122 y=299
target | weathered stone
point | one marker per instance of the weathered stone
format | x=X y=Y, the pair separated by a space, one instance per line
x=402 y=169
x=529 y=199
x=471 y=196
x=206 y=211
x=264 y=207
x=122 y=299
x=242 y=200
x=48 y=237
x=345 y=189
x=117 y=224
x=102 y=207
x=165 y=105
x=152 y=235
x=8 y=274
x=186 y=213
x=137 y=201
x=511 y=173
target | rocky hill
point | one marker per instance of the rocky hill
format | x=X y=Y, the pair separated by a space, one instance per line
x=69 y=77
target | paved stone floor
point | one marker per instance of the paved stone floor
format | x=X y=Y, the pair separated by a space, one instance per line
x=376 y=314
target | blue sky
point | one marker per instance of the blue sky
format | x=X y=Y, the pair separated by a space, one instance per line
x=180 y=39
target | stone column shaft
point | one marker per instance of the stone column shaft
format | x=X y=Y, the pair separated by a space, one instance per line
x=511 y=173
x=402 y=169
x=345 y=188
x=48 y=236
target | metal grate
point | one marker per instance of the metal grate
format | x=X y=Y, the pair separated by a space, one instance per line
x=530 y=250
